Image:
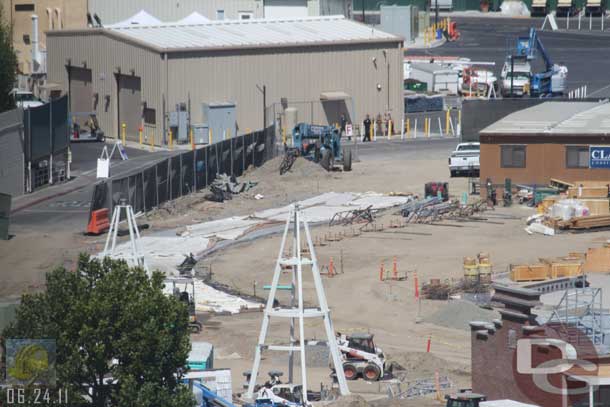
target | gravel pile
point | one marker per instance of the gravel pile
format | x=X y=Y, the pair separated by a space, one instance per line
x=457 y=314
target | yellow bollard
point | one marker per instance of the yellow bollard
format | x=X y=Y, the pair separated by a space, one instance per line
x=408 y=127
x=171 y=139
x=123 y=133
x=247 y=131
x=210 y=133
x=371 y=133
x=459 y=119
x=140 y=134
x=390 y=130
x=192 y=139
x=228 y=133
x=447 y=121
x=427 y=127
x=152 y=141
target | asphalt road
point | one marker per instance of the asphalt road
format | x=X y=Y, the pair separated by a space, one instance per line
x=71 y=211
x=586 y=54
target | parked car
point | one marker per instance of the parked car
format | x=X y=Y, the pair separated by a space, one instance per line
x=25 y=99
x=465 y=159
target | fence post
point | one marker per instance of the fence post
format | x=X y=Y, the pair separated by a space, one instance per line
x=51 y=143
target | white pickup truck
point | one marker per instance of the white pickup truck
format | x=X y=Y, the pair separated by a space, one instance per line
x=465 y=159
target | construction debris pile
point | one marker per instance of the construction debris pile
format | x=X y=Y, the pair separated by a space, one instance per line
x=582 y=206
x=433 y=209
x=224 y=187
x=354 y=216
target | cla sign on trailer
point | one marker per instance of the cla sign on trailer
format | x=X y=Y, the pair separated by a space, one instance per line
x=599 y=157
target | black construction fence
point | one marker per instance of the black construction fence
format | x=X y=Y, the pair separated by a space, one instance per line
x=186 y=172
x=46 y=143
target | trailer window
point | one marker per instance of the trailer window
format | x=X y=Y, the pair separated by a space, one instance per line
x=577 y=157
x=512 y=156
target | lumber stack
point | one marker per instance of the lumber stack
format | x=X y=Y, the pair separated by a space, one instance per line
x=585 y=222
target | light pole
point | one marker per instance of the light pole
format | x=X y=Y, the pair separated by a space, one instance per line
x=263 y=90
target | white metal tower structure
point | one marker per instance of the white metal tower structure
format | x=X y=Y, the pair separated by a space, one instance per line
x=296 y=312
x=135 y=259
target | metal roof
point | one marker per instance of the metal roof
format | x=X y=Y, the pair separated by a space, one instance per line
x=253 y=33
x=556 y=118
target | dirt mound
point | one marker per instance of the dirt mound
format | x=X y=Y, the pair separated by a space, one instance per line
x=353 y=400
x=424 y=365
x=270 y=171
x=457 y=314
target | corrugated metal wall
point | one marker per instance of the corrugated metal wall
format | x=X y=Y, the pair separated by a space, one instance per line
x=12 y=168
x=113 y=11
x=103 y=56
x=300 y=74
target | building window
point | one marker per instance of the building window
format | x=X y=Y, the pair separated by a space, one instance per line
x=24 y=7
x=512 y=156
x=220 y=14
x=577 y=157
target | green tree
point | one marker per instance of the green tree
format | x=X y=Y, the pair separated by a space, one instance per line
x=110 y=320
x=8 y=66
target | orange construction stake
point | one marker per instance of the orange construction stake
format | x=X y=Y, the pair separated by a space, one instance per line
x=416 y=286
x=381 y=271
x=395 y=270
x=331 y=268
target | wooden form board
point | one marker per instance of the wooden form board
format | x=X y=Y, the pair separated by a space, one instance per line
x=597 y=260
x=529 y=272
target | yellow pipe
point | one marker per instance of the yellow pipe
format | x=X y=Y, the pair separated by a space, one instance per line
x=171 y=140
x=140 y=134
x=191 y=138
x=123 y=133
x=447 y=122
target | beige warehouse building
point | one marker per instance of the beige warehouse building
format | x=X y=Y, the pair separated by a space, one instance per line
x=137 y=75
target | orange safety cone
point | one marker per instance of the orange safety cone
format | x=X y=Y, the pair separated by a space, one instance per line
x=395 y=270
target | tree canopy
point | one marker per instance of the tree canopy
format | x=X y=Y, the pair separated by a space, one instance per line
x=110 y=321
x=8 y=66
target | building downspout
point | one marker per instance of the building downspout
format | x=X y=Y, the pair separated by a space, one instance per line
x=35 y=47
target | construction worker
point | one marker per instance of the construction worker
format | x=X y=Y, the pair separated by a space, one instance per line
x=343 y=124
x=367 y=129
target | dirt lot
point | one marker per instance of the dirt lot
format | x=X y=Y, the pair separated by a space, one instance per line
x=358 y=300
